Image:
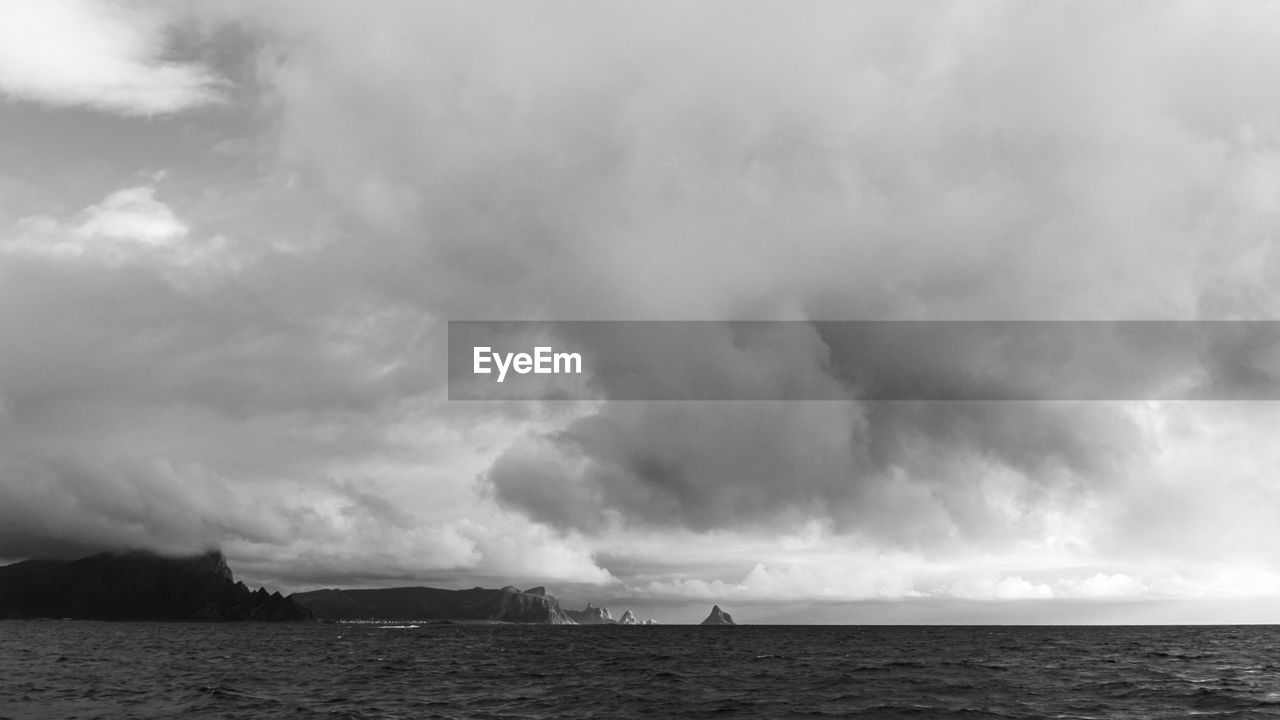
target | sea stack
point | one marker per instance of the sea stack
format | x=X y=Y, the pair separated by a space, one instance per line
x=591 y=615
x=719 y=617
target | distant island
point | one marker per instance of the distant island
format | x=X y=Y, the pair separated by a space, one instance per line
x=423 y=603
x=138 y=585
x=477 y=604
x=592 y=615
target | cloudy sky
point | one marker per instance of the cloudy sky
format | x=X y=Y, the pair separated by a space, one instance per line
x=232 y=233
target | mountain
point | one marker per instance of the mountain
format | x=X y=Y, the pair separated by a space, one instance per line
x=137 y=586
x=718 y=617
x=591 y=615
x=424 y=603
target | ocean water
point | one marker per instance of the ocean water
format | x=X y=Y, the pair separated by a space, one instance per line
x=176 y=670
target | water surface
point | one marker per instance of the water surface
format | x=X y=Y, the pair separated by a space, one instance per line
x=169 y=670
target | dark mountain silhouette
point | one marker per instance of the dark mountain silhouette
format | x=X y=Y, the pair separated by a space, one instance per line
x=718 y=617
x=137 y=586
x=424 y=603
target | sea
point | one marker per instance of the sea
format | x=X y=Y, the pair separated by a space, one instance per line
x=76 y=669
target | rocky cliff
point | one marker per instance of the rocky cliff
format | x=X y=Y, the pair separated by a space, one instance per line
x=137 y=586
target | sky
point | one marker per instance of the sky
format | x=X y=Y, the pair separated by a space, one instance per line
x=232 y=234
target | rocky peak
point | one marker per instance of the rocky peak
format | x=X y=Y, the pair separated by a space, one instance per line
x=719 y=617
x=214 y=562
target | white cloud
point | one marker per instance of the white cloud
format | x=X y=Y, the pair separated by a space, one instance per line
x=129 y=227
x=133 y=214
x=104 y=55
x=1015 y=588
x=975 y=584
x=862 y=576
x=849 y=576
x=1103 y=585
x=514 y=548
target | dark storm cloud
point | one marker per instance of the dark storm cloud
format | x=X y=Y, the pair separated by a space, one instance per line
x=909 y=473
x=580 y=160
